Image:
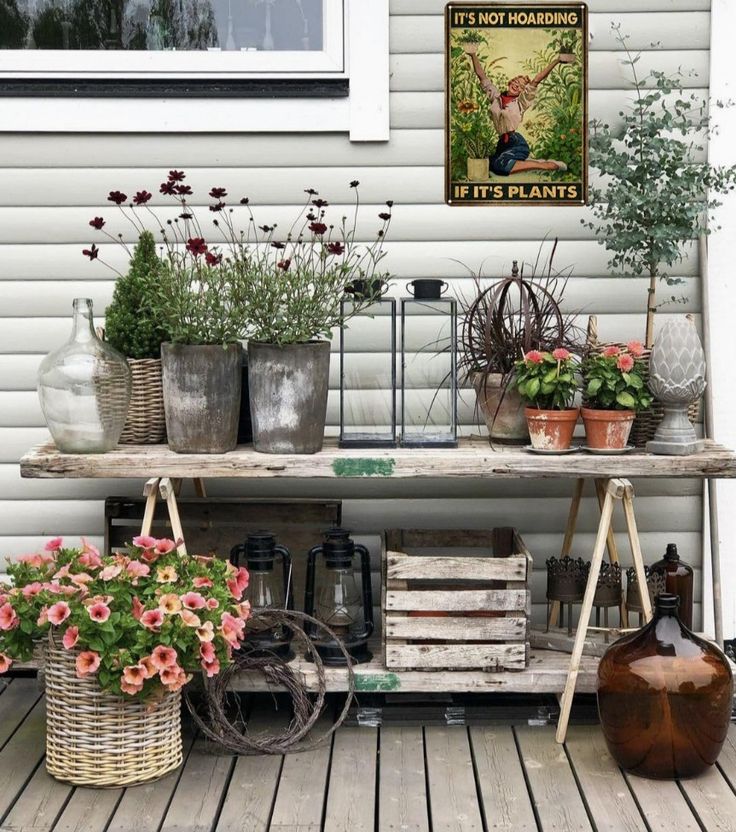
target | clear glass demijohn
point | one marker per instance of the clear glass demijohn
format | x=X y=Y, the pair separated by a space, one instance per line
x=84 y=389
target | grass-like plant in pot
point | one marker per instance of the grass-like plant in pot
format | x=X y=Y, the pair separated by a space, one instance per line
x=547 y=383
x=615 y=390
x=499 y=326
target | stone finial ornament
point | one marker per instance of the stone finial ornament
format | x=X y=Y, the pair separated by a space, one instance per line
x=677 y=378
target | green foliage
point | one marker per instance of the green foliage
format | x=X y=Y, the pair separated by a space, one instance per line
x=13 y=25
x=547 y=380
x=657 y=196
x=132 y=325
x=557 y=130
x=48 y=28
x=615 y=381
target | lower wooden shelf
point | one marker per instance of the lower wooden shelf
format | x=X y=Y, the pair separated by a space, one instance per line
x=547 y=673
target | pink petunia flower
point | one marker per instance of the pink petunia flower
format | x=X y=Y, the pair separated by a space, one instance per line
x=244 y=610
x=212 y=603
x=5 y=662
x=211 y=668
x=130 y=689
x=191 y=619
x=8 y=617
x=59 y=612
x=193 y=601
x=232 y=629
x=43 y=617
x=234 y=588
x=71 y=637
x=31 y=590
x=36 y=560
x=561 y=354
x=147 y=664
x=201 y=582
x=152 y=619
x=54 y=544
x=150 y=555
x=174 y=678
x=135 y=674
x=609 y=352
x=207 y=651
x=166 y=575
x=625 y=363
x=534 y=356
x=144 y=541
x=87 y=662
x=81 y=579
x=243 y=578
x=170 y=603
x=636 y=348
x=163 y=657
x=99 y=612
x=138 y=569
x=137 y=608
x=164 y=546
x=206 y=632
x=110 y=572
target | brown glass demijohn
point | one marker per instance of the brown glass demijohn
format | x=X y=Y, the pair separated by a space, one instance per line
x=678 y=580
x=664 y=698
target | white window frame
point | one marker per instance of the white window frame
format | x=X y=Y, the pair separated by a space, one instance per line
x=363 y=114
x=214 y=63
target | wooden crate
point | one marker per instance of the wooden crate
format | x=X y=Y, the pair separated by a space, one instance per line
x=456 y=600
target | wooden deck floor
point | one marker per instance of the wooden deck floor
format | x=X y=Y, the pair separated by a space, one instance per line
x=392 y=779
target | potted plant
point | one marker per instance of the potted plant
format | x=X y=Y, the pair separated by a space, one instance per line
x=122 y=634
x=546 y=382
x=135 y=330
x=615 y=390
x=295 y=283
x=501 y=324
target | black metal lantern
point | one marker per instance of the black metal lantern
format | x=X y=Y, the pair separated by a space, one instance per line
x=368 y=368
x=268 y=589
x=428 y=366
x=333 y=597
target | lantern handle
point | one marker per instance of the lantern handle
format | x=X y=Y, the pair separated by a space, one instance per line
x=309 y=584
x=365 y=570
x=236 y=552
x=286 y=563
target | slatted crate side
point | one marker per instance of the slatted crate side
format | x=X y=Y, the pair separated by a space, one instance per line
x=487 y=657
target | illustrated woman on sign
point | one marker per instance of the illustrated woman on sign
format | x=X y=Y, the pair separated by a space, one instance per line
x=512 y=153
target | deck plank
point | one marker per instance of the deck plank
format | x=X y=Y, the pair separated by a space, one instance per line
x=662 y=804
x=712 y=800
x=727 y=759
x=39 y=805
x=558 y=803
x=196 y=801
x=351 y=796
x=21 y=755
x=16 y=701
x=506 y=802
x=453 y=797
x=402 y=792
x=606 y=792
x=88 y=810
x=301 y=792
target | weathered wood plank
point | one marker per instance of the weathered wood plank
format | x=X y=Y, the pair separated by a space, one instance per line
x=662 y=804
x=352 y=791
x=472 y=459
x=456 y=629
x=483 y=657
x=88 y=810
x=607 y=796
x=727 y=759
x=468 y=567
x=506 y=802
x=712 y=800
x=459 y=600
x=17 y=699
x=21 y=754
x=39 y=804
x=554 y=792
x=603 y=7
x=453 y=797
x=402 y=793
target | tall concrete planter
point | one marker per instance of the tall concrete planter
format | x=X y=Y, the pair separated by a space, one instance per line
x=288 y=396
x=201 y=397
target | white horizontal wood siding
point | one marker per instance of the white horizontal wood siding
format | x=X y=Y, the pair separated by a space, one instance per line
x=52 y=184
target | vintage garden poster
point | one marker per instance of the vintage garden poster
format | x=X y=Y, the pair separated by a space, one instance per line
x=516 y=104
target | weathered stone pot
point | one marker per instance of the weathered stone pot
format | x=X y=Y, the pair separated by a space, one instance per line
x=503 y=412
x=607 y=429
x=288 y=396
x=201 y=397
x=551 y=430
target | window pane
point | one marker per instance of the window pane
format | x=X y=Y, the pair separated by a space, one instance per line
x=162 y=25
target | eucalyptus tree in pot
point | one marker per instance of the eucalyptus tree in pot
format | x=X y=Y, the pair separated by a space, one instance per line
x=295 y=283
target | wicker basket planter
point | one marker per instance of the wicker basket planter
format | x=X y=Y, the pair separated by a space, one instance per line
x=104 y=741
x=146 y=423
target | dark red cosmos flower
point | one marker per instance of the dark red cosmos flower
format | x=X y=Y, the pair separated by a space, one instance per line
x=317 y=227
x=335 y=248
x=311 y=216
x=176 y=176
x=354 y=183
x=320 y=203
x=117 y=197
x=218 y=193
x=384 y=216
x=212 y=259
x=278 y=245
x=311 y=191
x=244 y=200
x=390 y=203
x=142 y=197
x=266 y=229
x=92 y=253
x=284 y=264
x=218 y=206
x=186 y=216
x=97 y=222
x=167 y=188
x=197 y=246
x=183 y=190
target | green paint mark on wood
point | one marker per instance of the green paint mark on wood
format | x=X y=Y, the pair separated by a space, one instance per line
x=377 y=682
x=364 y=467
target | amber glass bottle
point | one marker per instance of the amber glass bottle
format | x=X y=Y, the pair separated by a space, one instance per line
x=664 y=698
x=678 y=580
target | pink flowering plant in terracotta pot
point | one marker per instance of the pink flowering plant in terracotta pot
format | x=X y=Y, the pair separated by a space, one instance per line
x=547 y=382
x=143 y=622
x=615 y=390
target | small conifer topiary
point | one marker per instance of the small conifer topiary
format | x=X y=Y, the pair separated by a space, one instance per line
x=131 y=324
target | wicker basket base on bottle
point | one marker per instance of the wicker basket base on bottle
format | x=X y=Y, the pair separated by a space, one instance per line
x=104 y=741
x=146 y=422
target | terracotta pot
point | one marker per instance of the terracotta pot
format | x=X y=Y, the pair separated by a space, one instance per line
x=607 y=429
x=504 y=417
x=478 y=170
x=551 y=430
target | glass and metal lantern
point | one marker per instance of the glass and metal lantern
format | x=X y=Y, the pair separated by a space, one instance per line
x=333 y=597
x=429 y=366
x=368 y=368
x=269 y=588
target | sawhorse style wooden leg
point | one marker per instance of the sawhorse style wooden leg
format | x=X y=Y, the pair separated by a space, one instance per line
x=168 y=489
x=613 y=490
